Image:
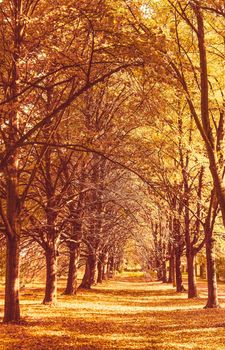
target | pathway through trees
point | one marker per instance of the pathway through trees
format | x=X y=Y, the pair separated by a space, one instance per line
x=125 y=313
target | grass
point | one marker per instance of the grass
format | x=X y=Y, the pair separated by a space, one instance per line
x=126 y=313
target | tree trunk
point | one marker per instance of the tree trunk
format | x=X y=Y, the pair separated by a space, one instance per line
x=105 y=265
x=108 y=269
x=100 y=269
x=202 y=271
x=90 y=272
x=179 y=280
x=11 y=174
x=85 y=284
x=164 y=272
x=71 y=287
x=75 y=244
x=111 y=267
x=212 y=301
x=192 y=289
x=12 y=308
x=94 y=270
x=51 y=277
x=215 y=156
x=171 y=278
x=159 y=273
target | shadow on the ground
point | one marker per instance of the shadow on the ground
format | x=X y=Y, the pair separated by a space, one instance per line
x=120 y=314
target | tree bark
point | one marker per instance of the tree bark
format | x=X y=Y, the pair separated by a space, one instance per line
x=164 y=272
x=110 y=266
x=192 y=289
x=74 y=244
x=215 y=154
x=85 y=284
x=94 y=269
x=51 y=277
x=171 y=267
x=179 y=280
x=105 y=265
x=90 y=272
x=212 y=301
x=12 y=308
x=12 y=174
x=100 y=269
x=71 y=286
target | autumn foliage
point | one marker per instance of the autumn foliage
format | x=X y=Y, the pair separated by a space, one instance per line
x=111 y=153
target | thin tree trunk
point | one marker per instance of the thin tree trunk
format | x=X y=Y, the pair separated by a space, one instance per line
x=13 y=202
x=108 y=269
x=215 y=156
x=105 y=264
x=100 y=269
x=212 y=301
x=164 y=272
x=94 y=269
x=111 y=267
x=171 y=267
x=51 y=277
x=75 y=244
x=12 y=309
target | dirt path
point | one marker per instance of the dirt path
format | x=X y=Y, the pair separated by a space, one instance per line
x=127 y=313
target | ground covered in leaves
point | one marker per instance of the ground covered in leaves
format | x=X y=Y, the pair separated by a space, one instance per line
x=125 y=313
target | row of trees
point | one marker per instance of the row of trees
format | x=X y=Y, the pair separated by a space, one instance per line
x=187 y=203
x=52 y=55
x=97 y=98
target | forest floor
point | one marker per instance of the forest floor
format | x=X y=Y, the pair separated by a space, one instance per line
x=124 y=313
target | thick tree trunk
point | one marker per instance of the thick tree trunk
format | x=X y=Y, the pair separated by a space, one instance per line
x=192 y=289
x=12 y=309
x=179 y=280
x=51 y=277
x=110 y=268
x=85 y=284
x=71 y=287
x=212 y=301
x=90 y=275
x=100 y=269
